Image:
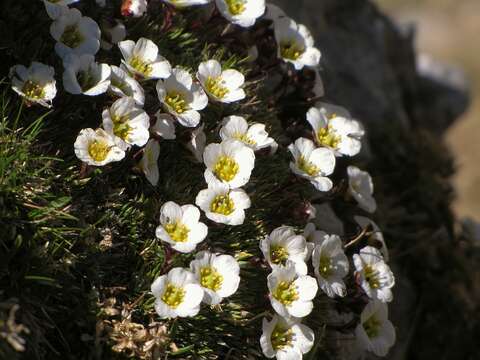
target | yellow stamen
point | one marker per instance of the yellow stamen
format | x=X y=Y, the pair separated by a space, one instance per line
x=244 y=138
x=141 y=66
x=236 y=7
x=177 y=231
x=215 y=87
x=173 y=295
x=121 y=128
x=33 y=90
x=371 y=275
x=222 y=204
x=327 y=137
x=86 y=80
x=372 y=327
x=278 y=254
x=307 y=167
x=291 y=50
x=71 y=37
x=325 y=267
x=281 y=338
x=226 y=168
x=210 y=278
x=98 y=150
x=176 y=102
x=286 y=293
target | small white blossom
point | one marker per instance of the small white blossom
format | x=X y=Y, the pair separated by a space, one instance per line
x=122 y=84
x=373 y=274
x=375 y=332
x=164 y=126
x=177 y=294
x=336 y=132
x=254 y=136
x=127 y=122
x=241 y=12
x=329 y=263
x=187 y=3
x=325 y=219
x=197 y=143
x=182 y=97
x=97 y=147
x=285 y=339
x=36 y=83
x=230 y=162
x=274 y=12
x=221 y=85
x=55 y=8
x=113 y=35
x=376 y=236
x=360 y=186
x=180 y=227
x=282 y=246
x=291 y=294
x=217 y=274
x=82 y=75
x=75 y=34
x=149 y=162
x=295 y=43
x=313 y=164
x=222 y=204
x=134 y=8
x=141 y=59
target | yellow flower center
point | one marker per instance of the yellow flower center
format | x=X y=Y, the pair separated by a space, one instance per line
x=226 y=168
x=222 y=204
x=215 y=87
x=327 y=137
x=281 y=338
x=71 y=37
x=291 y=50
x=244 y=138
x=176 y=102
x=141 y=66
x=210 y=278
x=121 y=128
x=173 y=295
x=33 y=90
x=98 y=150
x=86 y=80
x=372 y=327
x=177 y=231
x=325 y=266
x=371 y=275
x=307 y=166
x=236 y=7
x=286 y=292
x=278 y=254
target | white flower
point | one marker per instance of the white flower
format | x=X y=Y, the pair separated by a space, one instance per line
x=336 y=132
x=376 y=236
x=75 y=34
x=295 y=43
x=186 y=3
x=127 y=122
x=180 y=227
x=241 y=12
x=35 y=83
x=360 y=185
x=149 y=162
x=325 y=219
x=285 y=339
x=222 y=204
x=217 y=274
x=113 y=35
x=223 y=86
x=255 y=136
x=55 y=8
x=177 y=294
x=273 y=12
x=122 y=84
x=283 y=245
x=313 y=164
x=197 y=143
x=230 y=162
x=291 y=294
x=83 y=75
x=329 y=263
x=142 y=59
x=164 y=126
x=375 y=332
x=182 y=97
x=97 y=147
x=373 y=274
x=134 y=8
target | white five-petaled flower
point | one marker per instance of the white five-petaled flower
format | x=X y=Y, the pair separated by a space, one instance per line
x=97 y=147
x=375 y=237
x=223 y=86
x=186 y=3
x=282 y=246
x=122 y=84
x=241 y=12
x=75 y=34
x=55 y=8
x=164 y=126
x=336 y=132
x=197 y=143
x=313 y=164
x=134 y=8
x=373 y=274
x=180 y=226
x=291 y=294
x=182 y=97
x=35 y=83
x=142 y=59
x=112 y=34
x=329 y=263
x=230 y=162
x=217 y=274
x=83 y=75
x=127 y=123
x=254 y=136
x=149 y=161
x=360 y=185
x=285 y=339
x=222 y=204
x=177 y=293
x=295 y=43
x=375 y=332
